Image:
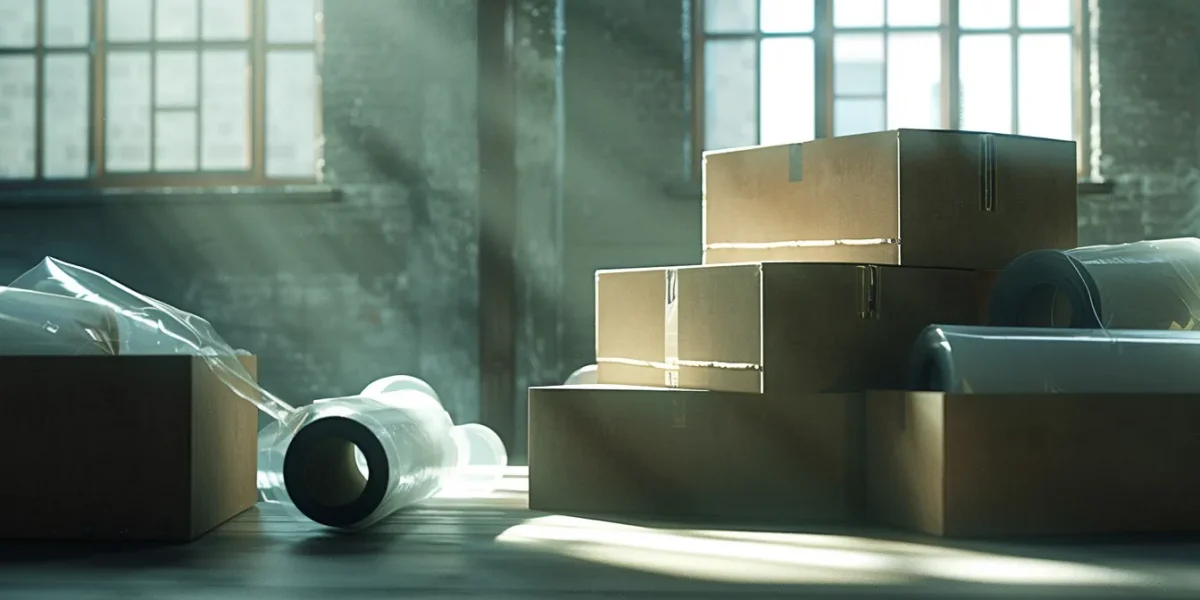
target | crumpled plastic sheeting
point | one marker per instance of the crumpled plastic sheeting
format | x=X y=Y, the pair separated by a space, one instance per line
x=38 y=324
x=147 y=326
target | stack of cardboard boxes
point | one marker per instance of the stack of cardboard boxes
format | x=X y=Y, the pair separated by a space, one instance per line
x=744 y=381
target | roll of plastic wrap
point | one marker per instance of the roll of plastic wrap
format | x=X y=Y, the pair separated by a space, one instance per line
x=992 y=360
x=1143 y=285
x=34 y=323
x=583 y=376
x=350 y=462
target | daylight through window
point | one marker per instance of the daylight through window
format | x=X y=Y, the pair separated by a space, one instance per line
x=220 y=92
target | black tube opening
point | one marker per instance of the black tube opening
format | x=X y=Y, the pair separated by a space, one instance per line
x=1045 y=306
x=323 y=478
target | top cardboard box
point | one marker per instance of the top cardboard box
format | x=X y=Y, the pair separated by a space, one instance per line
x=945 y=199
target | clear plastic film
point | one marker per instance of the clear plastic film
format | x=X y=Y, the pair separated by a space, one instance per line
x=586 y=375
x=402 y=446
x=1142 y=285
x=994 y=360
x=147 y=326
x=37 y=324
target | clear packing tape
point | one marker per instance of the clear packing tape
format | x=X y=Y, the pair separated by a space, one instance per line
x=393 y=445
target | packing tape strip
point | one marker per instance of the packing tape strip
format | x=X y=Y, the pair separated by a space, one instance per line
x=800 y=244
x=671 y=328
x=704 y=364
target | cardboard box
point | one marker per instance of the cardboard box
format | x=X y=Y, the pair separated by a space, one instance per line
x=695 y=454
x=122 y=448
x=907 y=197
x=764 y=327
x=1054 y=464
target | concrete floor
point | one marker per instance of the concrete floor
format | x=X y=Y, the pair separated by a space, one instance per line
x=495 y=548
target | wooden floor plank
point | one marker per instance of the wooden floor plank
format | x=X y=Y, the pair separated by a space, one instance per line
x=449 y=549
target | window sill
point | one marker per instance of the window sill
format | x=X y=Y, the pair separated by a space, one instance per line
x=38 y=198
x=1096 y=187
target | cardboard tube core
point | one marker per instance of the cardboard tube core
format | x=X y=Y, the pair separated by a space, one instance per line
x=323 y=478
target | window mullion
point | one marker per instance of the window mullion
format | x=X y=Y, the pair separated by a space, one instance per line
x=1015 y=54
x=951 y=95
x=39 y=94
x=823 y=68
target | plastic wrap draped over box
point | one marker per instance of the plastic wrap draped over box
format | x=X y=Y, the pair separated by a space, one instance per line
x=1143 y=285
x=343 y=462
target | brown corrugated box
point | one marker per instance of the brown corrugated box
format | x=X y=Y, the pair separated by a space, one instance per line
x=1052 y=464
x=689 y=453
x=122 y=448
x=906 y=197
x=773 y=327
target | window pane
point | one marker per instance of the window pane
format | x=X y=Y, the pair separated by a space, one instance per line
x=225 y=20
x=65 y=146
x=985 y=72
x=68 y=23
x=858 y=64
x=18 y=112
x=857 y=115
x=730 y=81
x=128 y=21
x=18 y=24
x=857 y=13
x=175 y=141
x=225 y=111
x=127 y=112
x=914 y=81
x=291 y=114
x=914 y=13
x=176 y=75
x=788 y=92
x=985 y=14
x=1044 y=13
x=787 y=16
x=1045 y=66
x=176 y=20
x=291 y=21
x=730 y=16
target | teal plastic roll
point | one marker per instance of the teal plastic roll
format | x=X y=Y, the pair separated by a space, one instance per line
x=1143 y=285
x=993 y=360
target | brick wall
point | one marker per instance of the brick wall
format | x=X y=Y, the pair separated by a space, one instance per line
x=1147 y=65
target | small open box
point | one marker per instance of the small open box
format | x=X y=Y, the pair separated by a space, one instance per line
x=1037 y=465
x=122 y=447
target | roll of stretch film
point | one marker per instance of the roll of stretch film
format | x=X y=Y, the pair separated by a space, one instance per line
x=1142 y=285
x=350 y=462
x=993 y=360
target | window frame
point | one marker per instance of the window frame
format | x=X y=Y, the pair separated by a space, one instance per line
x=98 y=176
x=951 y=34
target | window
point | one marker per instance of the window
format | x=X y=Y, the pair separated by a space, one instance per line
x=159 y=92
x=780 y=71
